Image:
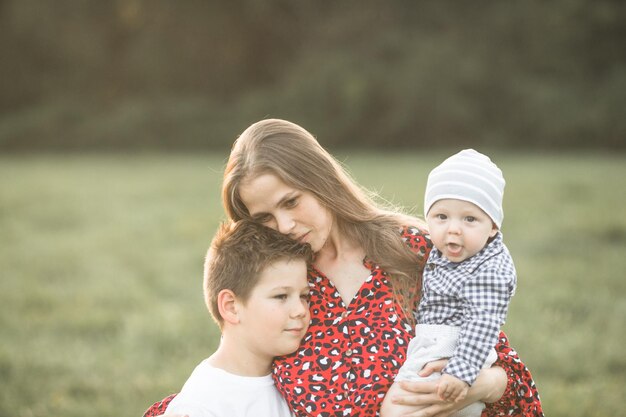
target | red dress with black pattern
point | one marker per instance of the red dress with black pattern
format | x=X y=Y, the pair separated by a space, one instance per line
x=350 y=354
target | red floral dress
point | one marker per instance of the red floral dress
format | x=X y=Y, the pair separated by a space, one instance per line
x=350 y=354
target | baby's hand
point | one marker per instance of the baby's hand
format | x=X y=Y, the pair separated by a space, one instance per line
x=450 y=388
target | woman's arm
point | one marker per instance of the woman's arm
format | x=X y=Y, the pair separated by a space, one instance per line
x=488 y=387
x=520 y=397
x=158 y=408
x=508 y=389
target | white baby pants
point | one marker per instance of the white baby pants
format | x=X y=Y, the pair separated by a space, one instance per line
x=433 y=342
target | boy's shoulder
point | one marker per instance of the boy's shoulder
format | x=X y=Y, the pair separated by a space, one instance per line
x=213 y=391
x=203 y=380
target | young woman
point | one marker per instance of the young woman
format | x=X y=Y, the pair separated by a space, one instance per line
x=365 y=283
x=365 y=278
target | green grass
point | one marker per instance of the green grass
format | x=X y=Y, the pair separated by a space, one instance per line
x=101 y=263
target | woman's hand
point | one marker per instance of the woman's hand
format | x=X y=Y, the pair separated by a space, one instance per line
x=488 y=387
x=434 y=366
x=424 y=394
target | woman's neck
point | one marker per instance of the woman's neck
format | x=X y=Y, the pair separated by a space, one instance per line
x=341 y=260
x=337 y=246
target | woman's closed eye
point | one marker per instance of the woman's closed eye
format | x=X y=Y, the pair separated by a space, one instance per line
x=262 y=218
x=290 y=203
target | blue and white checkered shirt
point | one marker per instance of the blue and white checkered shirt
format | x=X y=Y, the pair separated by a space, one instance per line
x=474 y=295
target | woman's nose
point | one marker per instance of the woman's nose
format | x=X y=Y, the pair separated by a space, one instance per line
x=285 y=224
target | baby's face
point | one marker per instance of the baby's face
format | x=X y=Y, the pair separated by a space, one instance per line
x=459 y=229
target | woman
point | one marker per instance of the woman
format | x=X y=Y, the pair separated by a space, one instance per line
x=365 y=279
x=365 y=282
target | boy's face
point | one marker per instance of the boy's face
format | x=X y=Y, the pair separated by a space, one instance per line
x=276 y=315
x=459 y=229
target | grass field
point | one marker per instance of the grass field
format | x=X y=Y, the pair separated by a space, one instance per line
x=101 y=262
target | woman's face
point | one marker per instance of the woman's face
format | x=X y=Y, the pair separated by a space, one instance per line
x=293 y=212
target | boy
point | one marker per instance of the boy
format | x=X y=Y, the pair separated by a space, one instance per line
x=255 y=286
x=468 y=280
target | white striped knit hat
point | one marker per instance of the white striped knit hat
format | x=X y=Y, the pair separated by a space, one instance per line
x=468 y=176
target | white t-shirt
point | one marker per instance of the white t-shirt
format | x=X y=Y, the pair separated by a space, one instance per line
x=213 y=392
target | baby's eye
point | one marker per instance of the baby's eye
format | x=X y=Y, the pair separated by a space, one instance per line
x=470 y=219
x=306 y=297
x=281 y=296
x=441 y=216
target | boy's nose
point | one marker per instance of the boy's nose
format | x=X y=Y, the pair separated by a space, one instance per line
x=300 y=309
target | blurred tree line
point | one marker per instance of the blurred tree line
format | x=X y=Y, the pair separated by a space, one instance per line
x=192 y=74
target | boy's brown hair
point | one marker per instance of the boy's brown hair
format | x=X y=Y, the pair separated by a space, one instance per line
x=239 y=252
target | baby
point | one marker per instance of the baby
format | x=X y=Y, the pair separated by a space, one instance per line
x=468 y=280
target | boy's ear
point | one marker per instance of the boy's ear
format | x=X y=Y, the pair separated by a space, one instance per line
x=228 y=305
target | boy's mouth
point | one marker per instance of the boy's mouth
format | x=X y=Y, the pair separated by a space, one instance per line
x=295 y=330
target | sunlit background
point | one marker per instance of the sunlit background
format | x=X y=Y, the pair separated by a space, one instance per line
x=128 y=74
x=116 y=118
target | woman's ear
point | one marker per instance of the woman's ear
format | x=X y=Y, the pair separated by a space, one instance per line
x=227 y=305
